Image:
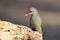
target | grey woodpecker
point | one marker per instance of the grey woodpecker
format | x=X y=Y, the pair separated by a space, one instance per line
x=36 y=23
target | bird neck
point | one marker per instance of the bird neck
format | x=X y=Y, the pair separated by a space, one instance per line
x=34 y=14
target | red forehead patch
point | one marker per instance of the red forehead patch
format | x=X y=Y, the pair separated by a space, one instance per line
x=29 y=10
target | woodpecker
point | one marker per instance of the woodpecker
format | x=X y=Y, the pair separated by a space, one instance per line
x=36 y=23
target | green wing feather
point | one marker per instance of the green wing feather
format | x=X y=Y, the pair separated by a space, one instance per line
x=42 y=26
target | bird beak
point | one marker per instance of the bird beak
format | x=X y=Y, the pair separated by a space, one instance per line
x=28 y=14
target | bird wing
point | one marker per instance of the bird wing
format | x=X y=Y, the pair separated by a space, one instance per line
x=33 y=26
x=42 y=26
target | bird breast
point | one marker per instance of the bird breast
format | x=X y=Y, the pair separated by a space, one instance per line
x=37 y=20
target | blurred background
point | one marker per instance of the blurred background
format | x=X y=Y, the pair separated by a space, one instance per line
x=13 y=11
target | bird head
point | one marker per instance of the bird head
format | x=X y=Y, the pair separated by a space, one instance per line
x=31 y=11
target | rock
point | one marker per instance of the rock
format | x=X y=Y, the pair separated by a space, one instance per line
x=10 y=31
